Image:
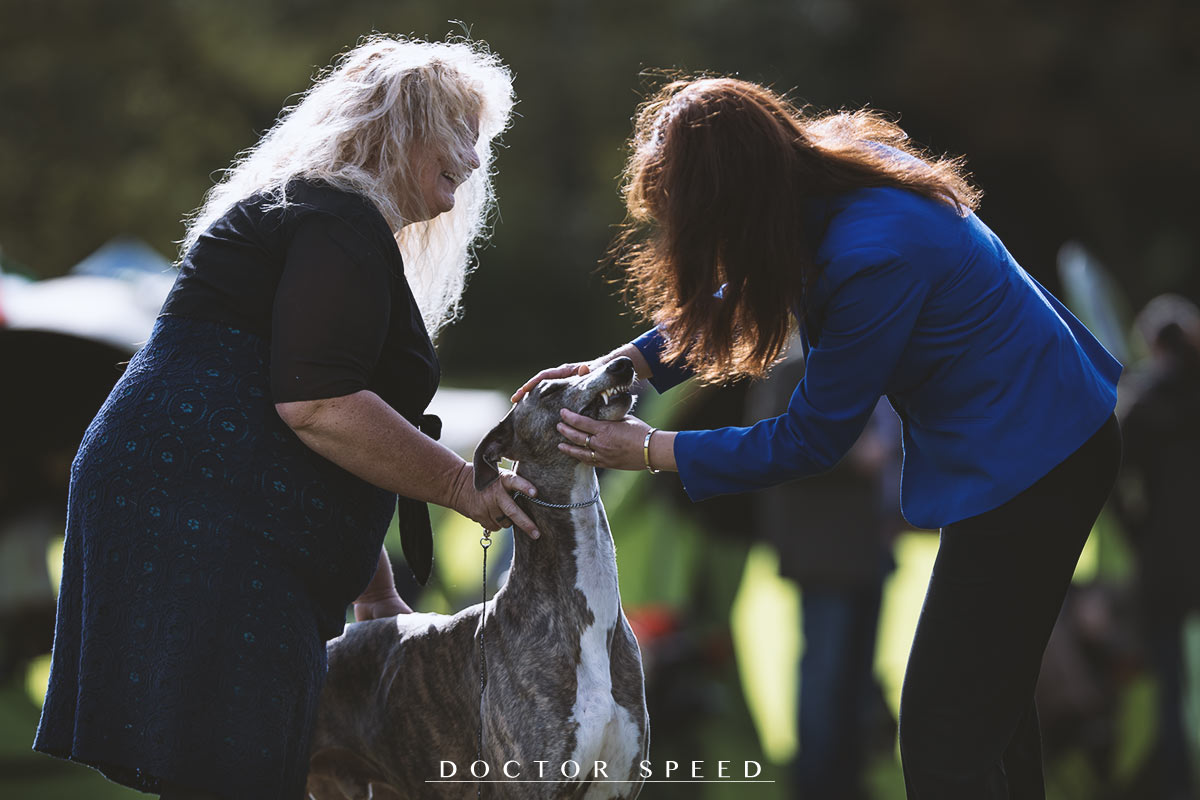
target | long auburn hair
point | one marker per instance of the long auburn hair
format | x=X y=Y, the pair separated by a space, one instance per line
x=715 y=189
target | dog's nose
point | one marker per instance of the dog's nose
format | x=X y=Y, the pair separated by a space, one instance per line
x=621 y=369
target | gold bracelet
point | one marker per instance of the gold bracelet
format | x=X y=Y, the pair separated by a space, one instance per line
x=646 y=452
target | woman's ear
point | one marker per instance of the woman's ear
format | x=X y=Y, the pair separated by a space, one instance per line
x=490 y=450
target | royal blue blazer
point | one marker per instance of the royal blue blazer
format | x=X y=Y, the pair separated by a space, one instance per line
x=995 y=382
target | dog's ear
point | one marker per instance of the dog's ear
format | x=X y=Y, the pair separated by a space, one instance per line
x=496 y=444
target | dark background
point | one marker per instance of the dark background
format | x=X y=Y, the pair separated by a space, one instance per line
x=1078 y=119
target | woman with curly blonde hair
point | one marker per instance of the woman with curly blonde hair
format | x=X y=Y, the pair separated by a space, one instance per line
x=749 y=217
x=231 y=497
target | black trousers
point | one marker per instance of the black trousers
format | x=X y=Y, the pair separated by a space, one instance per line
x=968 y=725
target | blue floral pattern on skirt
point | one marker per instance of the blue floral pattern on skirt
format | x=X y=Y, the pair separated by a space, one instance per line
x=209 y=555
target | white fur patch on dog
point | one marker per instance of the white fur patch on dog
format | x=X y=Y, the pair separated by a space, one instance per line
x=607 y=731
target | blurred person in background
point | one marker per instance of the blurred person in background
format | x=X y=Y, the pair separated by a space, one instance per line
x=231 y=497
x=834 y=535
x=748 y=218
x=1160 y=511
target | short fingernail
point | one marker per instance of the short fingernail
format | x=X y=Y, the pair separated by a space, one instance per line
x=562 y=446
x=535 y=534
x=533 y=492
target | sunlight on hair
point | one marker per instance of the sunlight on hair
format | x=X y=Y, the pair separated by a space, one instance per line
x=356 y=128
x=717 y=187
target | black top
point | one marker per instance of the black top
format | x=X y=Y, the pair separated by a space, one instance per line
x=322 y=279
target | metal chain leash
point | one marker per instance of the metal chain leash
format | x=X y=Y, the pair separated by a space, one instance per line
x=544 y=504
x=485 y=542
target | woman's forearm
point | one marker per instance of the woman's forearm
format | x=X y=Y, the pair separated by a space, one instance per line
x=640 y=366
x=380 y=598
x=662 y=451
x=383 y=582
x=368 y=438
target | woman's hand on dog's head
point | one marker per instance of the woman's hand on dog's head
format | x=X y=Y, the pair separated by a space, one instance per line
x=561 y=371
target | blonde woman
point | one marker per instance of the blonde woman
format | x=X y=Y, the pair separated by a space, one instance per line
x=231 y=497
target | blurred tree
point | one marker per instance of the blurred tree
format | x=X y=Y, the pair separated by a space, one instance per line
x=1075 y=117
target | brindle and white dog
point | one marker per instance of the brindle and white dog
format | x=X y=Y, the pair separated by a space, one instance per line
x=401 y=706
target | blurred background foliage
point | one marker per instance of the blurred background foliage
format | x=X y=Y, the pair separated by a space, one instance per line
x=1079 y=120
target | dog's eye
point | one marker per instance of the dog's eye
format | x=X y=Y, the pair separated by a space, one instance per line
x=551 y=388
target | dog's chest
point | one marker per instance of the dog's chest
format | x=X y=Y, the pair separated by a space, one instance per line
x=606 y=731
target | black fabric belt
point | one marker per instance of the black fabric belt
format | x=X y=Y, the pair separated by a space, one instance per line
x=412 y=516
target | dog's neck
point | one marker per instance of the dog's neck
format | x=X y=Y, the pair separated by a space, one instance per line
x=571 y=539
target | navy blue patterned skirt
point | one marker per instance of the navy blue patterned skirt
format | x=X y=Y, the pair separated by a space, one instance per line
x=209 y=555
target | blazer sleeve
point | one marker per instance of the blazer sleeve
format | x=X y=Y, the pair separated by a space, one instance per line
x=662 y=376
x=868 y=316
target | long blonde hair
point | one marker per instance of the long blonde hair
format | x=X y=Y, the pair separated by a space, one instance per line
x=356 y=128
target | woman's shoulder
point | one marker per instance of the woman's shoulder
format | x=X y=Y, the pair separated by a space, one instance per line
x=303 y=196
x=888 y=220
x=890 y=211
x=352 y=214
x=300 y=197
x=892 y=234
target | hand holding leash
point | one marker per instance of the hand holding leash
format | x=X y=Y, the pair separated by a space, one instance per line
x=493 y=507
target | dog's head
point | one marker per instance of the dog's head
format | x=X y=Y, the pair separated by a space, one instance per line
x=529 y=433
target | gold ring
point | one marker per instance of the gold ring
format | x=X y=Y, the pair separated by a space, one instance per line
x=587 y=441
x=593 y=452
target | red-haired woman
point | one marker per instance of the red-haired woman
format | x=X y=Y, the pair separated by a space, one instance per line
x=748 y=216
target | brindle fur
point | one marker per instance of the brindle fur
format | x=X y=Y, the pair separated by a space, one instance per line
x=402 y=693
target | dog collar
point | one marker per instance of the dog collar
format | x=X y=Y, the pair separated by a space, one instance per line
x=544 y=504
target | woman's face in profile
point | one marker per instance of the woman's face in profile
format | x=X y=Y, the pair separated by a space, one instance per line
x=438 y=170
